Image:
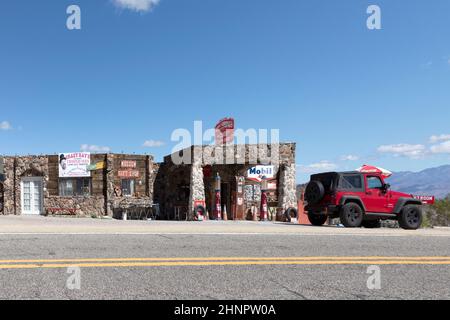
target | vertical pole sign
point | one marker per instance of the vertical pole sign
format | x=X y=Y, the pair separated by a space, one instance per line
x=218 y=203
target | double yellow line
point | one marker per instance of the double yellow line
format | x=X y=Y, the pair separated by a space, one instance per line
x=217 y=261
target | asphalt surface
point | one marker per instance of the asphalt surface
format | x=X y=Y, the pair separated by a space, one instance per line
x=226 y=260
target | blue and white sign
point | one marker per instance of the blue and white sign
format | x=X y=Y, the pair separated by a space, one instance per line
x=258 y=172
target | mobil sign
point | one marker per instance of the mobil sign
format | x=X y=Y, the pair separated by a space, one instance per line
x=258 y=172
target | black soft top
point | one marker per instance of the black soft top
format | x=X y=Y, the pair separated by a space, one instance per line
x=334 y=174
x=333 y=180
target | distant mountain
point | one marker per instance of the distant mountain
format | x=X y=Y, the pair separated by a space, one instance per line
x=433 y=181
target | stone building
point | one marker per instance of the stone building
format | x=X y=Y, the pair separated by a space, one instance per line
x=33 y=185
x=179 y=187
x=110 y=184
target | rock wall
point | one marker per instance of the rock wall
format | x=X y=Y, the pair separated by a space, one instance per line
x=244 y=154
x=197 y=187
x=77 y=206
x=110 y=185
x=8 y=187
x=287 y=186
x=153 y=169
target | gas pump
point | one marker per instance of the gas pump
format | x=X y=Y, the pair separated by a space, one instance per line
x=218 y=203
x=264 y=210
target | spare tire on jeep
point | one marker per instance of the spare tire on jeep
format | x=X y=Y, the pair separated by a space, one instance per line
x=315 y=191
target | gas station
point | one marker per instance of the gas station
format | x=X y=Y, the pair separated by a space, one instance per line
x=244 y=190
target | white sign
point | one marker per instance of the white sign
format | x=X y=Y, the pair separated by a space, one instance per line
x=74 y=164
x=258 y=172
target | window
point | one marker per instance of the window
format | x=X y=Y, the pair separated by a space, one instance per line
x=128 y=187
x=374 y=183
x=350 y=182
x=75 y=187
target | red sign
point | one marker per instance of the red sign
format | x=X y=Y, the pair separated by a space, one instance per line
x=128 y=164
x=426 y=199
x=225 y=131
x=128 y=174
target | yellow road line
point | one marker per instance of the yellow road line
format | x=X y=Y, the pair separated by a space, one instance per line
x=82 y=260
x=224 y=263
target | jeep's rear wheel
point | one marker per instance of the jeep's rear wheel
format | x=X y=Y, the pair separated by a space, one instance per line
x=372 y=224
x=317 y=219
x=410 y=217
x=351 y=215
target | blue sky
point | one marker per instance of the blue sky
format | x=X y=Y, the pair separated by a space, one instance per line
x=347 y=95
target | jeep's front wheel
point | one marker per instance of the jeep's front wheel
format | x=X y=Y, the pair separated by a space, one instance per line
x=410 y=217
x=351 y=215
x=317 y=219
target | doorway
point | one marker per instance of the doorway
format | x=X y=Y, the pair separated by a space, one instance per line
x=31 y=192
x=225 y=197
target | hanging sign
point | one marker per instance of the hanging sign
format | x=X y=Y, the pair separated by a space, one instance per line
x=128 y=164
x=224 y=131
x=128 y=174
x=97 y=166
x=74 y=164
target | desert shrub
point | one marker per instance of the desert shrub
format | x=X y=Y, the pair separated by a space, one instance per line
x=439 y=213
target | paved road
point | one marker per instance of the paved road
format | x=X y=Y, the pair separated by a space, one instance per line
x=167 y=260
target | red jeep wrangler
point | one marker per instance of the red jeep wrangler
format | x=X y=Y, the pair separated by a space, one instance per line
x=359 y=199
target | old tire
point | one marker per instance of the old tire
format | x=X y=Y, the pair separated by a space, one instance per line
x=351 y=215
x=410 y=217
x=317 y=219
x=372 y=224
x=291 y=213
x=315 y=191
